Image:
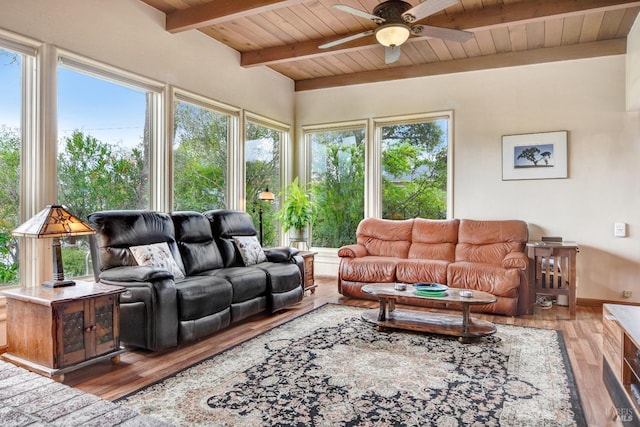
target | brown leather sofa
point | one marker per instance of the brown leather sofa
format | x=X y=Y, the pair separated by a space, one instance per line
x=482 y=255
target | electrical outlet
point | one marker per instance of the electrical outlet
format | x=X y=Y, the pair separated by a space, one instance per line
x=620 y=229
x=626 y=293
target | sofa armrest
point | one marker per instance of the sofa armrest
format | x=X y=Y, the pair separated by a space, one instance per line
x=148 y=307
x=281 y=254
x=515 y=260
x=352 y=251
x=134 y=274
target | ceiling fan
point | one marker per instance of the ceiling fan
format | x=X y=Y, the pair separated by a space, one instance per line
x=396 y=22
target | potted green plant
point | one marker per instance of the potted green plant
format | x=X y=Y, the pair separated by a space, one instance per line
x=297 y=210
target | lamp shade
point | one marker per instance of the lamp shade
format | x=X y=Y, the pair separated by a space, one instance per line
x=266 y=195
x=392 y=34
x=53 y=221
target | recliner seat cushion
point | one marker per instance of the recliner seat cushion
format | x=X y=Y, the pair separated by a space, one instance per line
x=247 y=282
x=484 y=277
x=281 y=277
x=421 y=270
x=369 y=269
x=200 y=296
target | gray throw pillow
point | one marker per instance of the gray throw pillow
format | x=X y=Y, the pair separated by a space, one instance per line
x=250 y=249
x=157 y=255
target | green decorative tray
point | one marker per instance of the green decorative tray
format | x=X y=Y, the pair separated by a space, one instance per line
x=430 y=287
x=433 y=294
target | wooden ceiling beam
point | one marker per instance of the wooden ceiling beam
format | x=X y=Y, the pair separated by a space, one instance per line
x=307 y=49
x=482 y=19
x=217 y=11
x=510 y=59
x=525 y=12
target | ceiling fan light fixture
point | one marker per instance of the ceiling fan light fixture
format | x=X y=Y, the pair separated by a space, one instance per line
x=392 y=34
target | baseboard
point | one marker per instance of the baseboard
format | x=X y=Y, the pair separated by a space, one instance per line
x=591 y=302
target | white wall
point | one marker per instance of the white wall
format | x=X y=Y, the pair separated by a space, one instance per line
x=130 y=35
x=633 y=68
x=585 y=97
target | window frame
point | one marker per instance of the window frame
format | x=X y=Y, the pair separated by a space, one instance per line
x=285 y=157
x=153 y=89
x=306 y=172
x=31 y=98
x=235 y=145
x=373 y=157
x=379 y=123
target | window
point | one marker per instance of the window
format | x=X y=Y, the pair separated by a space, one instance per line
x=105 y=135
x=13 y=67
x=263 y=143
x=414 y=168
x=337 y=182
x=200 y=145
x=408 y=173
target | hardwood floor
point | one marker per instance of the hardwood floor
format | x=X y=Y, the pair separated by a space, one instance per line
x=583 y=338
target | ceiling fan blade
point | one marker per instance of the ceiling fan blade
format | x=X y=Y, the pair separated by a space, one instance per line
x=358 y=12
x=426 y=8
x=446 y=34
x=346 y=39
x=391 y=54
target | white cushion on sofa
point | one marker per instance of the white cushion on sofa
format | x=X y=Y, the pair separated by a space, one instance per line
x=157 y=255
x=250 y=249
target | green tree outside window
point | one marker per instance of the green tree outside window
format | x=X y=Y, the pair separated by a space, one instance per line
x=262 y=171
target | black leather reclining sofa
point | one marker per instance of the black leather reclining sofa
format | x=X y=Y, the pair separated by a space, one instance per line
x=158 y=311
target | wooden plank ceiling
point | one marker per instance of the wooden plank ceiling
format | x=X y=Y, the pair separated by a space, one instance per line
x=285 y=35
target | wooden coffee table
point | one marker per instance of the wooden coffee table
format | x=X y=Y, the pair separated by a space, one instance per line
x=462 y=326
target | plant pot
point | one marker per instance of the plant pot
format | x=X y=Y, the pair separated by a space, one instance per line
x=298 y=235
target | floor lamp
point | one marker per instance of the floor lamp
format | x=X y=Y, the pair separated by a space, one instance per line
x=54 y=222
x=265 y=195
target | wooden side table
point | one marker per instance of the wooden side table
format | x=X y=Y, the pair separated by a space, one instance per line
x=57 y=330
x=309 y=281
x=552 y=270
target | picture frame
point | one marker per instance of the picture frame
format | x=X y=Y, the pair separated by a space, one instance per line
x=534 y=156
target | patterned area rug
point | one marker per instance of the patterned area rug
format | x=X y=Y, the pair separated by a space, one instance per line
x=330 y=368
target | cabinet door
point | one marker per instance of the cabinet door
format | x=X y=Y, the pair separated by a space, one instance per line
x=71 y=321
x=85 y=329
x=106 y=334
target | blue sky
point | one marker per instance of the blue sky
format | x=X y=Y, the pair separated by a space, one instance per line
x=10 y=90
x=107 y=111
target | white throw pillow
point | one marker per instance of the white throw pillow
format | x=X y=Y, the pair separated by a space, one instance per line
x=157 y=255
x=250 y=249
